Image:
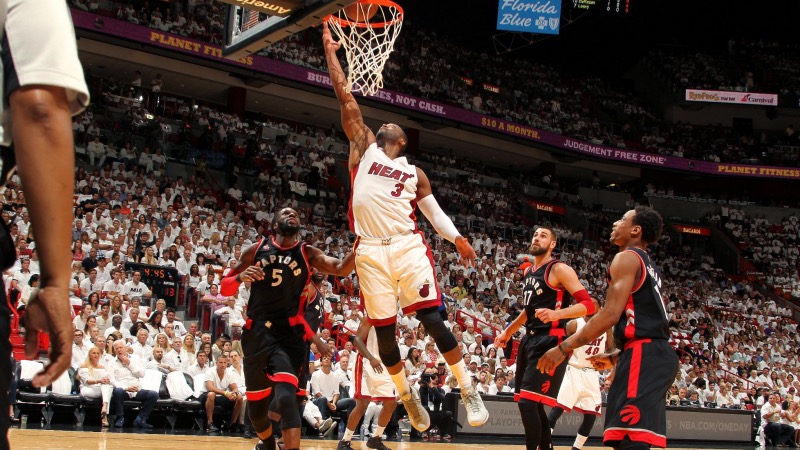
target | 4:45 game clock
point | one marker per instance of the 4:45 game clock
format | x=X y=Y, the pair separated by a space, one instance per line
x=164 y=282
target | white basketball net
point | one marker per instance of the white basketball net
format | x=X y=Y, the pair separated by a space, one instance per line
x=367 y=46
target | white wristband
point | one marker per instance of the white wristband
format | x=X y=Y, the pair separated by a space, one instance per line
x=433 y=212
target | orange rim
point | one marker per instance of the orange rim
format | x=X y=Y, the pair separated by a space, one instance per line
x=353 y=23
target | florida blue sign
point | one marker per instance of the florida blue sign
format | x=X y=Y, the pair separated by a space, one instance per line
x=530 y=16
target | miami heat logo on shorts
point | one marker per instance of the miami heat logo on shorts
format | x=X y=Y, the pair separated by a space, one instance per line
x=545 y=387
x=425 y=289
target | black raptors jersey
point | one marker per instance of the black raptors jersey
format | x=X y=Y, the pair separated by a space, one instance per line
x=314 y=308
x=279 y=294
x=645 y=315
x=537 y=293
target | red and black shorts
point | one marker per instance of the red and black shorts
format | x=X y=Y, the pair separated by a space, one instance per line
x=529 y=382
x=636 y=406
x=273 y=353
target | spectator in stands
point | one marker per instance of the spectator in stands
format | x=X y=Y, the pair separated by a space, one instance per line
x=79 y=349
x=173 y=356
x=180 y=330
x=776 y=430
x=326 y=394
x=80 y=320
x=135 y=287
x=140 y=348
x=132 y=319
x=200 y=364
x=126 y=376
x=95 y=382
x=116 y=327
x=188 y=353
x=154 y=323
x=223 y=391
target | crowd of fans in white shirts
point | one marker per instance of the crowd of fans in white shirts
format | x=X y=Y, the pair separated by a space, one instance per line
x=531 y=93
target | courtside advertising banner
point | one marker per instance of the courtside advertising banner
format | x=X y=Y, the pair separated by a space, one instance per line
x=529 y=16
x=738 y=98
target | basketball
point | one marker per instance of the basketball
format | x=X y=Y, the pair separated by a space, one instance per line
x=360 y=12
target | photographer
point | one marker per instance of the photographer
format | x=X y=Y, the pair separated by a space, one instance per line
x=432 y=397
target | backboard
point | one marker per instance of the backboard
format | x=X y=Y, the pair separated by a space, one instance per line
x=254 y=24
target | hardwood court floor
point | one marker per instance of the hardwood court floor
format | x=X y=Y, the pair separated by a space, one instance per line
x=38 y=439
x=56 y=440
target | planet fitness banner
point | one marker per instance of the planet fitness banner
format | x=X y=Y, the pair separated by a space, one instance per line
x=529 y=16
x=126 y=30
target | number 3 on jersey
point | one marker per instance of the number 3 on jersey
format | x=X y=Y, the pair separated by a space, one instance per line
x=398 y=189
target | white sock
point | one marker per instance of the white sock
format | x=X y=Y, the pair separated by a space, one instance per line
x=401 y=383
x=579 y=441
x=348 y=435
x=379 y=431
x=462 y=375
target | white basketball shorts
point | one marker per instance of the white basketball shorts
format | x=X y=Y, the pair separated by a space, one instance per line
x=38 y=48
x=580 y=391
x=397 y=268
x=373 y=385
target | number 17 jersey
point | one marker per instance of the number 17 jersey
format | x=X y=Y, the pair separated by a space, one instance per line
x=383 y=195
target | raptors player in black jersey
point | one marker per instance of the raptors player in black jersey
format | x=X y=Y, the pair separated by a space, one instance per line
x=314 y=317
x=548 y=289
x=275 y=333
x=636 y=411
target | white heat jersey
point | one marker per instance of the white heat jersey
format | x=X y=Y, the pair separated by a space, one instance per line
x=384 y=192
x=580 y=355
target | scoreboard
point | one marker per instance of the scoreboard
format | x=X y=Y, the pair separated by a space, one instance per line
x=162 y=281
x=612 y=6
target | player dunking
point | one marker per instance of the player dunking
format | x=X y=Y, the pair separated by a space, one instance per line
x=636 y=411
x=392 y=258
x=43 y=86
x=548 y=288
x=373 y=383
x=581 y=387
x=274 y=335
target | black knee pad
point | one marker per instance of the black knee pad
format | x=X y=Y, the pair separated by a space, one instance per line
x=285 y=404
x=587 y=424
x=258 y=411
x=387 y=345
x=434 y=326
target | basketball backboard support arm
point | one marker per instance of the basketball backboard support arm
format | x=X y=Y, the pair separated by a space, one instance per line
x=275 y=28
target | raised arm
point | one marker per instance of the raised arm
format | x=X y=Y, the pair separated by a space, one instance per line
x=330 y=265
x=441 y=222
x=357 y=132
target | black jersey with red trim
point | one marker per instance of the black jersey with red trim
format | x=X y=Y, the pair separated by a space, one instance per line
x=645 y=315
x=314 y=309
x=286 y=273
x=537 y=293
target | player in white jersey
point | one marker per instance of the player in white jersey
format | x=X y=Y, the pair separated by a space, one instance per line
x=580 y=389
x=392 y=258
x=373 y=383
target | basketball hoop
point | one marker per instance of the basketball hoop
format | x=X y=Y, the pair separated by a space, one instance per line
x=367 y=31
